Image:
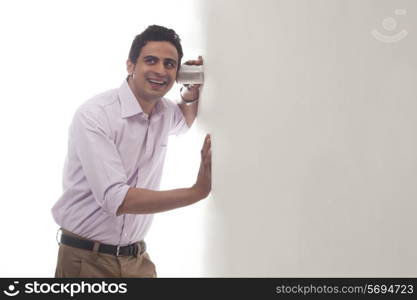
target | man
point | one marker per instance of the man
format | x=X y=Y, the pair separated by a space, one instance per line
x=117 y=145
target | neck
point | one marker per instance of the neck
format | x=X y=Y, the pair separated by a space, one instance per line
x=147 y=105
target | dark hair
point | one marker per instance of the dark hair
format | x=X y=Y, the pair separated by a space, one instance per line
x=155 y=33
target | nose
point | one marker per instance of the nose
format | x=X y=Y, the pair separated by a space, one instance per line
x=160 y=69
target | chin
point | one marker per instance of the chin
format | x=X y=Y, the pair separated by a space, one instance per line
x=160 y=93
x=153 y=96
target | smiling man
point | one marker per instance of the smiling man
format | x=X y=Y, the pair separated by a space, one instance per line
x=116 y=151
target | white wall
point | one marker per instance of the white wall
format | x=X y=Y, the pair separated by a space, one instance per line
x=314 y=138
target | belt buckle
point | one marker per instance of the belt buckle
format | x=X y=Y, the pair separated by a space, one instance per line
x=118 y=251
x=135 y=249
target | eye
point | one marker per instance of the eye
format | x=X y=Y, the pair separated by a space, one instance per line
x=169 y=64
x=150 y=60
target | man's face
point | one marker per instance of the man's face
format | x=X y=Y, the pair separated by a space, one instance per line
x=155 y=70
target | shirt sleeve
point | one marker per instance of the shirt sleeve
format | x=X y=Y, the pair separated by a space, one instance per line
x=178 y=124
x=100 y=159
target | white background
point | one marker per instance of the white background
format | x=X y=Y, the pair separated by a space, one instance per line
x=54 y=56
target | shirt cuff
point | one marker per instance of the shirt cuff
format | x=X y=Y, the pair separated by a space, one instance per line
x=113 y=201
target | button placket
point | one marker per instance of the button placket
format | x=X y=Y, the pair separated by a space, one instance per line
x=124 y=229
x=148 y=146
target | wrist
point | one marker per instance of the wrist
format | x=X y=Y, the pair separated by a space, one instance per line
x=187 y=98
x=195 y=193
x=189 y=102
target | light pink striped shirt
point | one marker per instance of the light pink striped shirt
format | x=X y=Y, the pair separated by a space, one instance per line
x=113 y=146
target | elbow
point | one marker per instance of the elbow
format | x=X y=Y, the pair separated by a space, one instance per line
x=121 y=209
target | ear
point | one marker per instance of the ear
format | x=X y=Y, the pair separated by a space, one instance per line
x=130 y=67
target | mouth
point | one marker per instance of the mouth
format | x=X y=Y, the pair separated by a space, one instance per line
x=156 y=83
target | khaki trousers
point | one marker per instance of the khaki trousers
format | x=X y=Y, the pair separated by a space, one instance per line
x=79 y=263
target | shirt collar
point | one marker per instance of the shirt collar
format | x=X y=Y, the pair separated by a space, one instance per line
x=130 y=106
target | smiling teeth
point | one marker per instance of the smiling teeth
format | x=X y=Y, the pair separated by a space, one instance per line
x=157 y=82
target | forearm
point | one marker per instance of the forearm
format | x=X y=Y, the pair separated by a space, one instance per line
x=189 y=111
x=144 y=201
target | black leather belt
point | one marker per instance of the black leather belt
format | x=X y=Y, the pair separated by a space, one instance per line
x=128 y=250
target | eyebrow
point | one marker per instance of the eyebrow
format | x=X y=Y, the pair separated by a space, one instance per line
x=166 y=59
